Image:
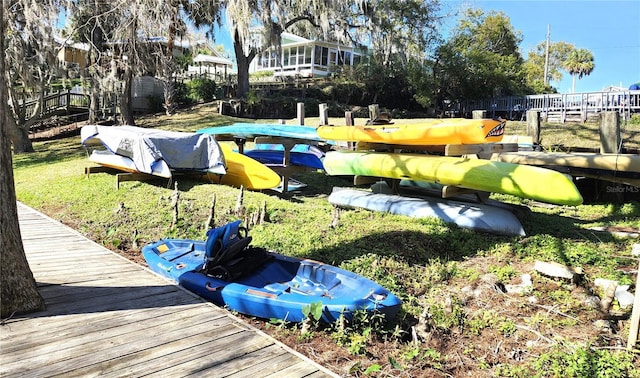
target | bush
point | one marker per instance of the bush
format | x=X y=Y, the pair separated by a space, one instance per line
x=181 y=94
x=202 y=89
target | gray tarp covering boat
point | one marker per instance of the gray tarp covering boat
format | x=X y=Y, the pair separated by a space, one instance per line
x=179 y=150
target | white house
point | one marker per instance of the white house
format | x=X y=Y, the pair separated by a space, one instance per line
x=307 y=58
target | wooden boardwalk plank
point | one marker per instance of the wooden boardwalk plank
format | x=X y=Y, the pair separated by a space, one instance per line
x=107 y=316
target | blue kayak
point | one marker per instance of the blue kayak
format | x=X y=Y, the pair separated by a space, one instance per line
x=305 y=159
x=252 y=130
x=228 y=271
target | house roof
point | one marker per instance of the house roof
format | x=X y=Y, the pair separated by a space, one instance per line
x=211 y=59
x=68 y=43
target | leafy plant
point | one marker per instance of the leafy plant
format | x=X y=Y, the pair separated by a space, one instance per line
x=313 y=311
x=585 y=361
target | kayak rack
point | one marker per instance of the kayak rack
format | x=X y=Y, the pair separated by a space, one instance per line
x=285 y=169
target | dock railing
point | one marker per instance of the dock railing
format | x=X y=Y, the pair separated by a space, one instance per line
x=559 y=107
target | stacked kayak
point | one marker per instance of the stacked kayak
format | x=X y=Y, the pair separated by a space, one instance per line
x=301 y=154
x=432 y=132
x=484 y=175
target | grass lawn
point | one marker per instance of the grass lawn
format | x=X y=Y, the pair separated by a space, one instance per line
x=455 y=320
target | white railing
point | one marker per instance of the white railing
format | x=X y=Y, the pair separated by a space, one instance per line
x=562 y=105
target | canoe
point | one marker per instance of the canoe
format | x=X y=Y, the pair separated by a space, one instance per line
x=228 y=271
x=125 y=164
x=490 y=176
x=245 y=171
x=623 y=168
x=253 y=130
x=477 y=217
x=435 y=132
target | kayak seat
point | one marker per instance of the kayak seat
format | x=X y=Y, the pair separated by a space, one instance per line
x=316 y=276
x=223 y=243
x=228 y=254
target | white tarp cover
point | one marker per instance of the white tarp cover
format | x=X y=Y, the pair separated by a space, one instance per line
x=181 y=151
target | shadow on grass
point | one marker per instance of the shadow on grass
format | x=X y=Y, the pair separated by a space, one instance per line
x=50 y=152
x=413 y=247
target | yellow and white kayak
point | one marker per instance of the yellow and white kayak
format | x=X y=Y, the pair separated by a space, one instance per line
x=491 y=176
x=432 y=132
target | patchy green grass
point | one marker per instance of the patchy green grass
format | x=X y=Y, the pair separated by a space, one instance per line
x=441 y=330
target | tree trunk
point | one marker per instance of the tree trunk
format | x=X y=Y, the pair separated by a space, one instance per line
x=18 y=287
x=126 y=105
x=19 y=136
x=94 y=87
x=243 y=66
x=243 y=76
x=168 y=68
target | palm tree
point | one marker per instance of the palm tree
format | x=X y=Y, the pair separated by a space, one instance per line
x=579 y=63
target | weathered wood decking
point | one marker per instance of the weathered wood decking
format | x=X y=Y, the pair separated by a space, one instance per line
x=107 y=316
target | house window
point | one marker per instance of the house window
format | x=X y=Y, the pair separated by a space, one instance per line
x=286 y=53
x=333 y=57
x=322 y=55
x=346 y=58
x=273 y=59
x=265 y=60
x=307 y=55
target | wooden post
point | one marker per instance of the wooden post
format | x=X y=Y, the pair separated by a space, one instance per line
x=533 y=125
x=610 y=132
x=348 y=120
x=374 y=112
x=478 y=114
x=300 y=113
x=635 y=312
x=324 y=114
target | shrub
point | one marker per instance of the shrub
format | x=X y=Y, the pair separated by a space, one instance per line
x=202 y=89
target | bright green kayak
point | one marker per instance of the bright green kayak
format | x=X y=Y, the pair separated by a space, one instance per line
x=491 y=176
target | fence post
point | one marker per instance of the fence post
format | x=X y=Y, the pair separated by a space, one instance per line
x=374 y=112
x=478 y=114
x=533 y=125
x=610 y=132
x=635 y=312
x=324 y=114
x=348 y=120
x=300 y=109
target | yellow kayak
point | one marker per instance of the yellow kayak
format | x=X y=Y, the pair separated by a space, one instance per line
x=491 y=176
x=431 y=132
x=245 y=171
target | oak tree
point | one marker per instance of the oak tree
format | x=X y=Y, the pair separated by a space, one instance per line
x=18 y=287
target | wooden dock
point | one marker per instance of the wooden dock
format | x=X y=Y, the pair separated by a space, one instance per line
x=107 y=316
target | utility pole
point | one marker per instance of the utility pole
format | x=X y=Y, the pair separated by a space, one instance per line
x=546 y=57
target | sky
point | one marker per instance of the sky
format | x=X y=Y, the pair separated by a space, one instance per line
x=610 y=29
